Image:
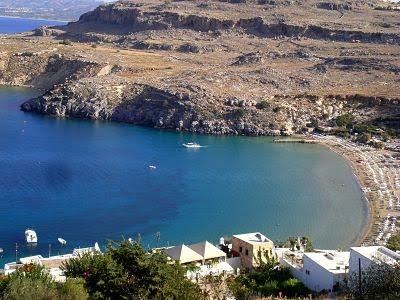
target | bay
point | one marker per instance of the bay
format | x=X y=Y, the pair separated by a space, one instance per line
x=90 y=181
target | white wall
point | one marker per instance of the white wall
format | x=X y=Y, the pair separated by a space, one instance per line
x=318 y=278
x=353 y=262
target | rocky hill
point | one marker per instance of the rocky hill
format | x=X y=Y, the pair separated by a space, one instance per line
x=222 y=67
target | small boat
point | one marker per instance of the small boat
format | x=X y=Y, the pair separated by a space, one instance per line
x=191 y=145
x=62 y=241
x=31 y=236
x=152 y=167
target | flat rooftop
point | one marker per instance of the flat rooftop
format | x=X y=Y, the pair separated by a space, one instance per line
x=333 y=261
x=378 y=253
x=253 y=238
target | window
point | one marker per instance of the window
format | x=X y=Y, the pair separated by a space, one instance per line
x=240 y=249
x=307 y=272
x=247 y=252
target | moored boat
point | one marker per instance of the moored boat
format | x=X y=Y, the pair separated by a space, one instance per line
x=31 y=236
x=191 y=145
x=62 y=241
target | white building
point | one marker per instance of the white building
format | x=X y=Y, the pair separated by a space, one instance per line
x=208 y=259
x=51 y=264
x=324 y=270
x=364 y=257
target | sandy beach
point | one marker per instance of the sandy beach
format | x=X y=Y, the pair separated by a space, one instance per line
x=378 y=173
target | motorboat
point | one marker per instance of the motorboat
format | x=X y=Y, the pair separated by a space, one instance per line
x=31 y=236
x=62 y=241
x=152 y=167
x=191 y=145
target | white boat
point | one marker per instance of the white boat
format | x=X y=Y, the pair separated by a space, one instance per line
x=31 y=236
x=152 y=167
x=62 y=241
x=191 y=145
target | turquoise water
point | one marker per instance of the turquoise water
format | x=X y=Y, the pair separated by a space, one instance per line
x=90 y=181
x=16 y=25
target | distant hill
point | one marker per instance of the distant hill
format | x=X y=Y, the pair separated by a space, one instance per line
x=47 y=9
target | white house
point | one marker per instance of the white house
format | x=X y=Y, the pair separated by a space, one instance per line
x=364 y=257
x=51 y=264
x=208 y=259
x=324 y=270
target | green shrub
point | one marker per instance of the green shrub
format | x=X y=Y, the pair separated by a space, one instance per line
x=73 y=289
x=66 y=42
x=28 y=289
x=263 y=105
x=344 y=120
x=267 y=280
x=276 y=109
x=127 y=271
x=240 y=113
x=363 y=138
x=394 y=242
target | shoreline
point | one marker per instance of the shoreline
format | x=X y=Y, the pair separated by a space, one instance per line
x=36 y=19
x=366 y=162
x=357 y=156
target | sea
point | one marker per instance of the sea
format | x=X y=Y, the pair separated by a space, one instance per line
x=91 y=181
x=10 y=25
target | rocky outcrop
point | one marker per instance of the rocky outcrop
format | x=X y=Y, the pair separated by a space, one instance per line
x=248 y=58
x=167 y=108
x=334 y=6
x=44 y=69
x=130 y=17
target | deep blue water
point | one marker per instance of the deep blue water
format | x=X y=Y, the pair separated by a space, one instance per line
x=89 y=181
x=16 y=25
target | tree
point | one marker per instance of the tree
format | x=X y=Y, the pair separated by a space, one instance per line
x=394 y=242
x=126 y=270
x=379 y=281
x=33 y=282
x=268 y=279
x=28 y=289
x=344 y=120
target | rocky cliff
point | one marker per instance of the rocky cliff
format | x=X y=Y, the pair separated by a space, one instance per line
x=215 y=67
x=131 y=17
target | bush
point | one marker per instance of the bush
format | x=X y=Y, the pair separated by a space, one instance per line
x=379 y=281
x=276 y=109
x=28 y=288
x=66 y=42
x=394 y=242
x=267 y=280
x=344 y=120
x=263 y=105
x=126 y=270
x=33 y=282
x=363 y=138
x=240 y=113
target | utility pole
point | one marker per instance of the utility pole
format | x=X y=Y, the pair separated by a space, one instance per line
x=359 y=280
x=158 y=235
